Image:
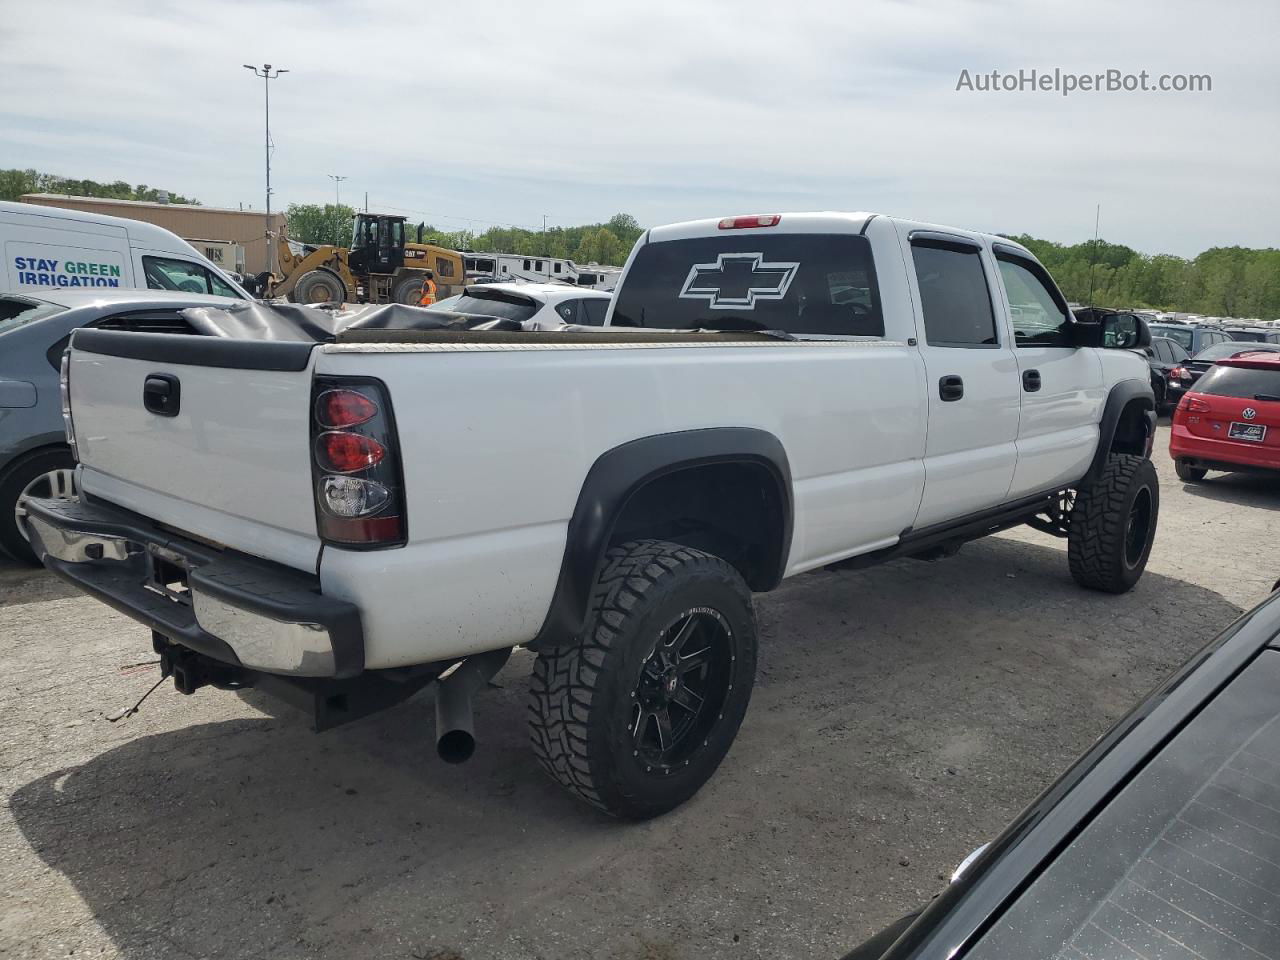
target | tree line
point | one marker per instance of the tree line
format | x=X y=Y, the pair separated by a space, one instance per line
x=14 y=183
x=1220 y=282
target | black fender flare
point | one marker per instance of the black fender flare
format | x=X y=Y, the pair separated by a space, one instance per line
x=615 y=477
x=1121 y=396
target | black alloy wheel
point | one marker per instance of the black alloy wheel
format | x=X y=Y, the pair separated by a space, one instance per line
x=682 y=688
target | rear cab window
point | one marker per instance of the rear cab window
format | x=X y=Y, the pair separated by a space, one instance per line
x=820 y=285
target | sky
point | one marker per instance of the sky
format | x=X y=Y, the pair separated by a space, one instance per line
x=502 y=112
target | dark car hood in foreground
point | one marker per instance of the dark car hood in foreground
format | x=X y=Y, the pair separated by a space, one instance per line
x=988 y=904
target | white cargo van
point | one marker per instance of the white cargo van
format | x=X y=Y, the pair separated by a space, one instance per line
x=48 y=247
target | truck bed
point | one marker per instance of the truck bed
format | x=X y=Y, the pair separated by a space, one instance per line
x=497 y=432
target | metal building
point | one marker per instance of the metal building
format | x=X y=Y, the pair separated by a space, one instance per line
x=244 y=227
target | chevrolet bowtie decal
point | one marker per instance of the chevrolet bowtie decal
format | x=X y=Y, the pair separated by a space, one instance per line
x=737 y=280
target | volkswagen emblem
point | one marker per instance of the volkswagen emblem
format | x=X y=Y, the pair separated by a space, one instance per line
x=1250 y=413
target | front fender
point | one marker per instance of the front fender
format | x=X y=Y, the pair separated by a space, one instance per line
x=1124 y=395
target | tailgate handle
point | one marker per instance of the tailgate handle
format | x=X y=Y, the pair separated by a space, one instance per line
x=162 y=394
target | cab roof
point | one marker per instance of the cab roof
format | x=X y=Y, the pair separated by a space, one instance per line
x=817 y=222
x=822 y=221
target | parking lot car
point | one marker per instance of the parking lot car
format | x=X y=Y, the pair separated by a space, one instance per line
x=343 y=523
x=1169 y=375
x=1253 y=334
x=1190 y=337
x=1202 y=362
x=1160 y=841
x=542 y=304
x=35 y=459
x=1230 y=420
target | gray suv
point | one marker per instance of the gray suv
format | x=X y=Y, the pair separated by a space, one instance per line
x=34 y=457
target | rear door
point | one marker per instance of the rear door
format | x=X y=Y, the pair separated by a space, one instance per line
x=970 y=373
x=1060 y=385
x=229 y=460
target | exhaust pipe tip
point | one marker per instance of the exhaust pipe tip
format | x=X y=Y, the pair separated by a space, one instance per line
x=456 y=746
x=455 y=725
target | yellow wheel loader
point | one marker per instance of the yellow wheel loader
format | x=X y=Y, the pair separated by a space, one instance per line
x=379 y=267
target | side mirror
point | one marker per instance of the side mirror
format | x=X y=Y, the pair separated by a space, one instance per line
x=1124 y=331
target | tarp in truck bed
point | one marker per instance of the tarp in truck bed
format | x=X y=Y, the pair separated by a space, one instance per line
x=256 y=320
x=399 y=323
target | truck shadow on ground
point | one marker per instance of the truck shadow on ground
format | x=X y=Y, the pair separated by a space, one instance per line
x=1245 y=489
x=947 y=693
x=24 y=583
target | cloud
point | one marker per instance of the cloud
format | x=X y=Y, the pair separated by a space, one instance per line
x=509 y=110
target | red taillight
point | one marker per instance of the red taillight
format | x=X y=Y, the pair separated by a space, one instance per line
x=746 y=223
x=1194 y=405
x=348 y=452
x=344 y=408
x=355 y=465
x=1179 y=373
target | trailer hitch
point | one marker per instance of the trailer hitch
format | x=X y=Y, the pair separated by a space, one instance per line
x=191 y=671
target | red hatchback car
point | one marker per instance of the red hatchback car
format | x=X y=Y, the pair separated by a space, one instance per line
x=1230 y=420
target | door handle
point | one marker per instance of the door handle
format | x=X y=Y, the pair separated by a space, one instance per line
x=162 y=394
x=950 y=388
x=1031 y=380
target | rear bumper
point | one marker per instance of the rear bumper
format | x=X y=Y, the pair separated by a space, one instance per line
x=236 y=609
x=1228 y=455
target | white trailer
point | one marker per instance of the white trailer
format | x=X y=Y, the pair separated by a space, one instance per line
x=513 y=266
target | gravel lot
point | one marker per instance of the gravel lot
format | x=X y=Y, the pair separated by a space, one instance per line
x=901 y=717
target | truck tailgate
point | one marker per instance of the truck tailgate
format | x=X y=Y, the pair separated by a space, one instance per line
x=231 y=464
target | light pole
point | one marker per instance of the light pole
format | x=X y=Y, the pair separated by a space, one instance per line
x=337 y=214
x=267 y=75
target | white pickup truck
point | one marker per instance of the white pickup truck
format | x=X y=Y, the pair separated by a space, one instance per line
x=344 y=523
